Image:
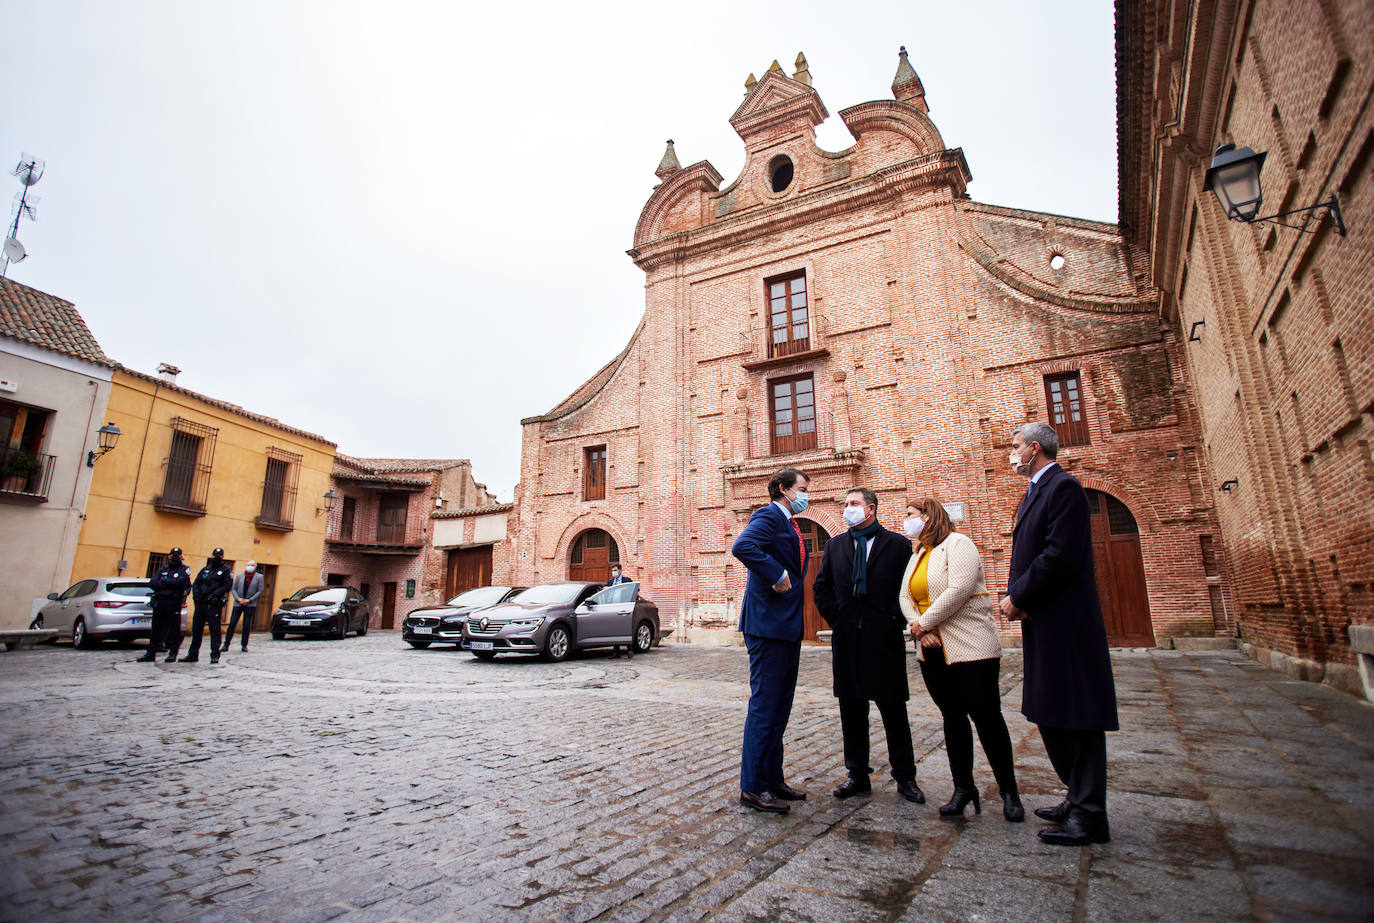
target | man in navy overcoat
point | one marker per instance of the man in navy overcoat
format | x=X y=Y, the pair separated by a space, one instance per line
x=1068 y=690
x=771 y=548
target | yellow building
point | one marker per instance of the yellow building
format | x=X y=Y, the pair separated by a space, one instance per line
x=201 y=473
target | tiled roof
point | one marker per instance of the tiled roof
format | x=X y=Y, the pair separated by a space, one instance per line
x=473 y=511
x=223 y=405
x=44 y=320
x=395 y=465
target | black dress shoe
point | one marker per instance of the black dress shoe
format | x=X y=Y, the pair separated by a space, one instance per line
x=187 y=659
x=853 y=786
x=1078 y=829
x=1055 y=815
x=1012 y=809
x=215 y=658
x=170 y=658
x=960 y=799
x=763 y=801
x=150 y=657
x=787 y=792
x=911 y=792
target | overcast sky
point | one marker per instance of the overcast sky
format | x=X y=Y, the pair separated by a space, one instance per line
x=403 y=226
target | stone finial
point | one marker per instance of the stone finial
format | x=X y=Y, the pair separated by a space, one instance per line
x=668 y=165
x=775 y=66
x=749 y=84
x=803 y=74
x=906 y=86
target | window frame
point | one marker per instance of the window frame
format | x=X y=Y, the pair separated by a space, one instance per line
x=186 y=480
x=278 y=509
x=791 y=345
x=594 y=472
x=795 y=441
x=1070 y=432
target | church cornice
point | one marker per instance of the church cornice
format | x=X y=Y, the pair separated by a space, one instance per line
x=946 y=169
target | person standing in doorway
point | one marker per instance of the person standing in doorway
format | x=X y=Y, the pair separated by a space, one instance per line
x=1068 y=691
x=247 y=588
x=170 y=585
x=616 y=576
x=209 y=591
x=771 y=548
x=857 y=595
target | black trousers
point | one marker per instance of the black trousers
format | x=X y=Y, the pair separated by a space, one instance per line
x=247 y=612
x=166 y=630
x=854 y=727
x=205 y=612
x=1080 y=760
x=969 y=690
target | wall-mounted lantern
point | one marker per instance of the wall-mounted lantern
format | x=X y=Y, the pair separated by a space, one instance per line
x=1234 y=176
x=331 y=496
x=107 y=437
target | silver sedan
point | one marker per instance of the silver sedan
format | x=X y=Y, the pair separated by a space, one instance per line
x=101 y=608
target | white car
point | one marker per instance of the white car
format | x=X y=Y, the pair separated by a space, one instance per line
x=101 y=608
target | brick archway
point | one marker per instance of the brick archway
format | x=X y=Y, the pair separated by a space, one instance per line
x=1120 y=571
x=591 y=555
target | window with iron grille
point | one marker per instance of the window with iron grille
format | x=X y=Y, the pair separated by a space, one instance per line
x=155 y=562
x=788 y=322
x=792 y=413
x=1064 y=396
x=186 y=484
x=278 y=510
x=594 y=474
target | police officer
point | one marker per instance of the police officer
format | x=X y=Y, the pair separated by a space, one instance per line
x=170 y=586
x=209 y=592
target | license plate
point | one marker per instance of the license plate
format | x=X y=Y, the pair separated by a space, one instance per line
x=141 y=621
x=483 y=645
x=423 y=630
x=296 y=623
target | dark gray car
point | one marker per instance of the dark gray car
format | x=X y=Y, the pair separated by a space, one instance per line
x=555 y=619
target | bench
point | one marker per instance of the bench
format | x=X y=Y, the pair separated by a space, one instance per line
x=20 y=640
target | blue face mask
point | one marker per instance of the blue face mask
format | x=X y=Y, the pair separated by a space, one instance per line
x=799 y=504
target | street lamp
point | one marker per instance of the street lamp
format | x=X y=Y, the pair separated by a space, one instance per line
x=1234 y=176
x=106 y=438
x=330 y=496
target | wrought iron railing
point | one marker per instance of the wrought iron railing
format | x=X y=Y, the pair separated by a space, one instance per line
x=768 y=439
x=26 y=474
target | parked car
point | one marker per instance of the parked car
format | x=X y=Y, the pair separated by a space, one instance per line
x=321 y=611
x=556 y=619
x=444 y=624
x=101 y=608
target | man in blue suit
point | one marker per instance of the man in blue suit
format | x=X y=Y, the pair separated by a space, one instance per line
x=771 y=548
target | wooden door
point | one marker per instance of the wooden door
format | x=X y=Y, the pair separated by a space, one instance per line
x=467 y=568
x=391 y=518
x=388 y=605
x=1120 y=572
x=267 y=602
x=592 y=556
x=814 y=538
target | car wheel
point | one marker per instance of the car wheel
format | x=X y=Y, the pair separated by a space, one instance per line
x=362 y=629
x=484 y=655
x=644 y=638
x=278 y=635
x=80 y=637
x=420 y=644
x=37 y=623
x=343 y=628
x=558 y=644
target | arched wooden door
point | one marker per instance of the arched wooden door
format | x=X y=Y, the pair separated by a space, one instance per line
x=1120 y=572
x=592 y=555
x=814 y=538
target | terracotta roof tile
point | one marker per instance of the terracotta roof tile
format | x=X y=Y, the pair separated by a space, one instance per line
x=44 y=320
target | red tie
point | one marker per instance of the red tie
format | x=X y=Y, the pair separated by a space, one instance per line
x=801 y=545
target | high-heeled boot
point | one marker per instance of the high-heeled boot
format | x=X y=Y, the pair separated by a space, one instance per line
x=960 y=800
x=1011 y=807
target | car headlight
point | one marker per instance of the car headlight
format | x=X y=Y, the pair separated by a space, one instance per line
x=455 y=621
x=526 y=623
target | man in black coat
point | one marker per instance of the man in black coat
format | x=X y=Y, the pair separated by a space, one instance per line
x=170 y=585
x=856 y=593
x=210 y=591
x=1068 y=691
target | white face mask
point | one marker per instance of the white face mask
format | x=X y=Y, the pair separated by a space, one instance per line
x=913 y=526
x=854 y=515
x=1017 y=464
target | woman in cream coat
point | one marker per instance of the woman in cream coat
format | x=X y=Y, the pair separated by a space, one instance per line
x=949 y=612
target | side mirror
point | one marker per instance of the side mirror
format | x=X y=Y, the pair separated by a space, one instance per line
x=52 y=596
x=589 y=603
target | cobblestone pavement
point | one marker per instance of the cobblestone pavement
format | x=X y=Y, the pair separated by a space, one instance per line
x=363 y=780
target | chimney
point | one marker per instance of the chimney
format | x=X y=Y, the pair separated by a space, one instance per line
x=168 y=372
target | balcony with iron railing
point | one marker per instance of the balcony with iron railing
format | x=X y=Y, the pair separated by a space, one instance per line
x=768 y=347
x=818 y=444
x=395 y=538
x=25 y=475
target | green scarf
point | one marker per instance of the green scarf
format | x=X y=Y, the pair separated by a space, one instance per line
x=860 y=571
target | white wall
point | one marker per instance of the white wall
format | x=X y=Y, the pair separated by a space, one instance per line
x=38 y=540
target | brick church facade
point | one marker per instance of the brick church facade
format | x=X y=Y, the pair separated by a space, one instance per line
x=856 y=315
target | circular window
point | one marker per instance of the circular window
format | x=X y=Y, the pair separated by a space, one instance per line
x=780 y=173
x=1057 y=261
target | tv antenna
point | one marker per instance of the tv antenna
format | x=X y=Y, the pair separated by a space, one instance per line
x=29 y=171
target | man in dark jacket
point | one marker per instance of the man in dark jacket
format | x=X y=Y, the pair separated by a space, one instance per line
x=856 y=593
x=209 y=592
x=247 y=589
x=1068 y=690
x=170 y=585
